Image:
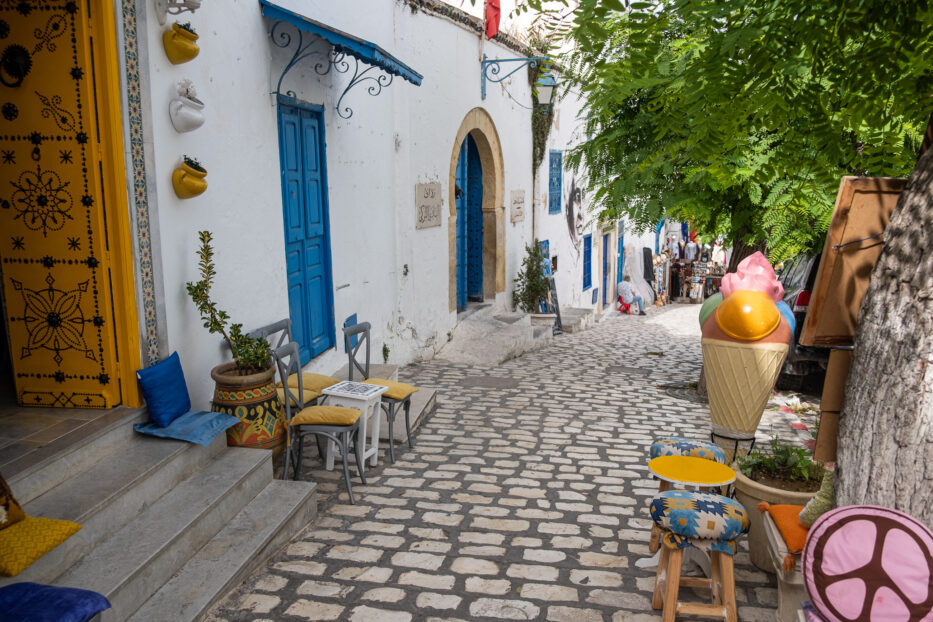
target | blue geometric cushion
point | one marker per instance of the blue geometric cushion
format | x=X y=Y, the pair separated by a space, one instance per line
x=44 y=603
x=164 y=390
x=676 y=446
x=702 y=516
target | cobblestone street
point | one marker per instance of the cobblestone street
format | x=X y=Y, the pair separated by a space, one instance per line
x=525 y=496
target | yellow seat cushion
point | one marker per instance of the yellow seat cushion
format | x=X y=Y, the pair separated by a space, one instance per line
x=315 y=382
x=326 y=415
x=24 y=542
x=397 y=390
x=309 y=395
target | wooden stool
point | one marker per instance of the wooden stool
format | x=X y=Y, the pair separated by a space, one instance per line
x=706 y=521
x=677 y=446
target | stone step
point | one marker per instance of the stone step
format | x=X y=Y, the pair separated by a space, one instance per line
x=99 y=440
x=423 y=402
x=132 y=564
x=106 y=496
x=279 y=511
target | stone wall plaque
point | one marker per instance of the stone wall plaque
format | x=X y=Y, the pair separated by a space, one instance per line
x=428 y=204
x=518 y=205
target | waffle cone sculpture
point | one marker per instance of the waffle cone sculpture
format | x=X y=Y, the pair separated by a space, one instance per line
x=745 y=339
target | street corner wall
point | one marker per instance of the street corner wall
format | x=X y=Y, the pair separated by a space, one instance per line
x=242 y=204
x=565 y=230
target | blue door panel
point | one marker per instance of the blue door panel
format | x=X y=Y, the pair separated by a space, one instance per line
x=460 y=193
x=555 y=181
x=307 y=250
x=474 y=198
x=605 y=268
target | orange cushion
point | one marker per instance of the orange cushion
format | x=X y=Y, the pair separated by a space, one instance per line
x=326 y=415
x=315 y=382
x=397 y=390
x=787 y=520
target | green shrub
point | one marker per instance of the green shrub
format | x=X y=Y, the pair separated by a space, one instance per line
x=785 y=462
x=531 y=284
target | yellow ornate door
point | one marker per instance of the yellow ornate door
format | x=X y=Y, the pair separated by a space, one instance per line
x=64 y=231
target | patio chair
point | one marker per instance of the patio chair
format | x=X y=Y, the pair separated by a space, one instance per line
x=399 y=393
x=336 y=423
x=312 y=384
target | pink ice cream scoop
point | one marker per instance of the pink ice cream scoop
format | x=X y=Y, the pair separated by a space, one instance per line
x=756 y=274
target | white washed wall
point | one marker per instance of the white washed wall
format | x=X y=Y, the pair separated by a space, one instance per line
x=402 y=137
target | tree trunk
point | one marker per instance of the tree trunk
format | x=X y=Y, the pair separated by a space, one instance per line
x=885 y=443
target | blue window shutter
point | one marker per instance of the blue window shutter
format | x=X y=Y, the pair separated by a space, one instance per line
x=555 y=180
x=587 y=262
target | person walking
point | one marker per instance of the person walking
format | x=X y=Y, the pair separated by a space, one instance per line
x=627 y=292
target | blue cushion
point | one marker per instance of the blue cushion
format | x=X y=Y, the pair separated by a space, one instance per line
x=164 y=388
x=699 y=515
x=198 y=426
x=34 y=602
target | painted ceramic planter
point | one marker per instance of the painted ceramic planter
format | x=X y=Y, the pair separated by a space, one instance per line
x=180 y=45
x=188 y=182
x=254 y=401
x=750 y=493
x=187 y=113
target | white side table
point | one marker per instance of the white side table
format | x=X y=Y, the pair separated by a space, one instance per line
x=363 y=397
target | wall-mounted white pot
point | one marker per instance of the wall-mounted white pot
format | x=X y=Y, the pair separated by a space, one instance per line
x=187 y=113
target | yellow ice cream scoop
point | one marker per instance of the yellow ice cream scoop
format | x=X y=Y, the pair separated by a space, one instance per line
x=747 y=315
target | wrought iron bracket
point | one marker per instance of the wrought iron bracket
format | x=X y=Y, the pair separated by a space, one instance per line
x=164 y=8
x=492 y=68
x=331 y=60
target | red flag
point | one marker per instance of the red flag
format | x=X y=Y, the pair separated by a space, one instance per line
x=492 y=18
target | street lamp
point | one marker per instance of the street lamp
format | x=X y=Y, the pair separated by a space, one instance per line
x=545 y=85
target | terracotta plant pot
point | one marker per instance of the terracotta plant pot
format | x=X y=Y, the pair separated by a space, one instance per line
x=180 y=45
x=750 y=493
x=188 y=182
x=254 y=401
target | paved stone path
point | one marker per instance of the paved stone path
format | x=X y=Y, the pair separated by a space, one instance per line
x=525 y=497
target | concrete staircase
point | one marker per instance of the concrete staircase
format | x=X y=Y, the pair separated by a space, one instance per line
x=167 y=527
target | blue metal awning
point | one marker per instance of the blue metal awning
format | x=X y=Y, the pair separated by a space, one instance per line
x=343 y=45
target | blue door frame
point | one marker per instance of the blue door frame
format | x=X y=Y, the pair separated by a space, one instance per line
x=620 y=252
x=307 y=227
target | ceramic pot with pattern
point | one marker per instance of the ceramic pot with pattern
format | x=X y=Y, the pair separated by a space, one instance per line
x=252 y=399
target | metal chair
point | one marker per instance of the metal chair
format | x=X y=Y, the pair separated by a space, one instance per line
x=399 y=393
x=313 y=384
x=336 y=423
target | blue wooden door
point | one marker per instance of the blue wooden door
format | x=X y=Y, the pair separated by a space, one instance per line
x=474 y=199
x=307 y=243
x=461 y=199
x=605 y=268
x=619 y=252
x=555 y=181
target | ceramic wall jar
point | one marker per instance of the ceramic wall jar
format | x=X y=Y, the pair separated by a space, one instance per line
x=188 y=181
x=180 y=45
x=186 y=110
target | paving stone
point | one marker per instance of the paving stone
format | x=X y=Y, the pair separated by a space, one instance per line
x=425 y=561
x=259 y=603
x=543 y=555
x=504 y=609
x=431 y=600
x=370 y=575
x=599 y=578
x=368 y=614
x=488 y=586
x=560 y=613
x=533 y=572
x=544 y=591
x=354 y=553
x=384 y=594
x=430 y=581
x=310 y=610
x=474 y=566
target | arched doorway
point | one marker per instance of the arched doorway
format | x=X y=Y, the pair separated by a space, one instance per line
x=469 y=200
x=476 y=228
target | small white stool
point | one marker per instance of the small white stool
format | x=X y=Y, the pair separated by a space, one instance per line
x=365 y=398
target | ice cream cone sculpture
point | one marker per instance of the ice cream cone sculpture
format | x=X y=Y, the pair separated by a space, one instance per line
x=746 y=331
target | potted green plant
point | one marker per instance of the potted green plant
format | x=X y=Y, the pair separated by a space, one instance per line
x=188 y=179
x=781 y=475
x=180 y=43
x=245 y=386
x=531 y=283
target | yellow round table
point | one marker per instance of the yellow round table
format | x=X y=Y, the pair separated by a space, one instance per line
x=690 y=471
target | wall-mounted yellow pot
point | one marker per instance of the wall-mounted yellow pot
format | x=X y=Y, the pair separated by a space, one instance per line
x=180 y=45
x=188 y=182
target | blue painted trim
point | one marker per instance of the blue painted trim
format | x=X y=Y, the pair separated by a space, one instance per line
x=587 y=261
x=359 y=49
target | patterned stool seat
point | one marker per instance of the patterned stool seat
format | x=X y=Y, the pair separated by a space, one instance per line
x=707 y=521
x=677 y=446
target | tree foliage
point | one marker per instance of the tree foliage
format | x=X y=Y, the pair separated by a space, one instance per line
x=742 y=116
